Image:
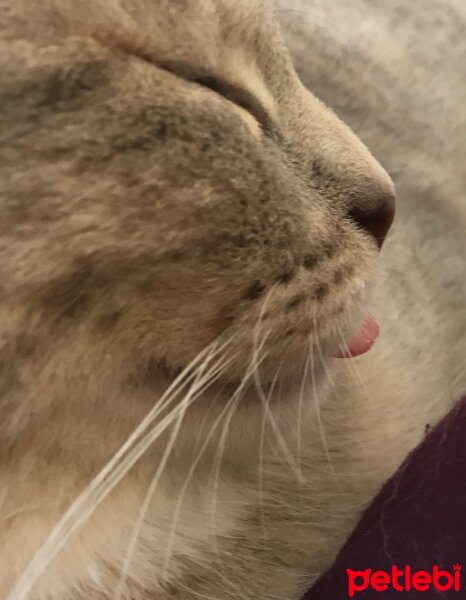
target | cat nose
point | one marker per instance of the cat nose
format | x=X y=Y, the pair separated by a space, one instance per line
x=378 y=217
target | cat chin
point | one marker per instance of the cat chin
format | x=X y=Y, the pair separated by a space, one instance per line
x=271 y=380
x=291 y=364
x=242 y=426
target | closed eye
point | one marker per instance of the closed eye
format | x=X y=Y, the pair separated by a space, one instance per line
x=239 y=96
x=232 y=92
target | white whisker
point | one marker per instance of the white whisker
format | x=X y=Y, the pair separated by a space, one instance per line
x=253 y=366
x=304 y=380
x=103 y=483
x=187 y=400
x=353 y=365
x=317 y=407
x=321 y=355
x=188 y=477
x=261 y=451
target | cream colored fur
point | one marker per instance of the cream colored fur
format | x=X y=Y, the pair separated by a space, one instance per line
x=147 y=220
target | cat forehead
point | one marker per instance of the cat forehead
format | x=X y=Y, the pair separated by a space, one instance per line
x=212 y=29
x=221 y=13
x=238 y=40
x=209 y=33
x=207 y=20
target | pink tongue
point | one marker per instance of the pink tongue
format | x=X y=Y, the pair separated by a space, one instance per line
x=362 y=340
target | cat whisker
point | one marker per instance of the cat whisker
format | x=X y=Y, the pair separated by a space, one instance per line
x=229 y=407
x=265 y=403
x=304 y=381
x=257 y=329
x=177 y=509
x=276 y=429
x=205 y=597
x=317 y=409
x=196 y=390
x=103 y=483
x=317 y=19
x=353 y=366
x=252 y=370
x=321 y=356
x=261 y=449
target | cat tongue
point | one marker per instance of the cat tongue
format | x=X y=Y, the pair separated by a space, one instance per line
x=362 y=340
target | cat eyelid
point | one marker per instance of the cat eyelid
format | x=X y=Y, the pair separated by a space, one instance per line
x=232 y=92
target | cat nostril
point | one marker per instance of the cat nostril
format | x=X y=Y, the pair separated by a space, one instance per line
x=378 y=221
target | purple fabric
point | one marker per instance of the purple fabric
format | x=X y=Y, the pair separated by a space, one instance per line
x=418 y=519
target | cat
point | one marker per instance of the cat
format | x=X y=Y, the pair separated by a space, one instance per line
x=191 y=243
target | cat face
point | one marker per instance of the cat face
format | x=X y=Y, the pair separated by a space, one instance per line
x=170 y=184
x=168 y=191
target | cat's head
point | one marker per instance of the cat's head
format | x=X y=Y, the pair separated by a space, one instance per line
x=171 y=198
x=168 y=182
